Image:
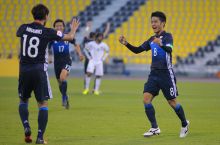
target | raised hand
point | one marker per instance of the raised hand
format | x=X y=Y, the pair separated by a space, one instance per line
x=75 y=24
x=81 y=57
x=158 y=41
x=122 y=40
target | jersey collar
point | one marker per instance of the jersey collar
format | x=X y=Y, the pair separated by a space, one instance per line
x=161 y=34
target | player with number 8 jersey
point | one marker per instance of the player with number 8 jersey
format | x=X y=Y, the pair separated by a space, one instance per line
x=161 y=76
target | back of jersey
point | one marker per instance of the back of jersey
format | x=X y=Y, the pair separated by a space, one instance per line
x=34 y=39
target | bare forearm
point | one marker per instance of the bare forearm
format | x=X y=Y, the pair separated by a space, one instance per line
x=69 y=36
x=78 y=50
x=106 y=30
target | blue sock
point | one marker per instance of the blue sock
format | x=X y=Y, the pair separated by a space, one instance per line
x=64 y=88
x=180 y=113
x=150 y=112
x=23 y=111
x=42 y=121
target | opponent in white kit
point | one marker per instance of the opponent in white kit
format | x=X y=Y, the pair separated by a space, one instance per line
x=96 y=51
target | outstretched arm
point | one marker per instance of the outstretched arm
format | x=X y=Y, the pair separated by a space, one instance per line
x=132 y=48
x=87 y=29
x=78 y=50
x=71 y=34
x=107 y=28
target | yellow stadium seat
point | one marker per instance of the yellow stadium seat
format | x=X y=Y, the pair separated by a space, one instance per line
x=193 y=23
x=13 y=13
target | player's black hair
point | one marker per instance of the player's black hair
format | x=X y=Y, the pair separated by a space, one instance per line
x=99 y=34
x=92 y=34
x=40 y=12
x=57 y=21
x=160 y=15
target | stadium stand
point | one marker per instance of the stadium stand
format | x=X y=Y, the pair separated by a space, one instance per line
x=122 y=15
x=192 y=22
x=207 y=57
x=92 y=10
x=15 y=12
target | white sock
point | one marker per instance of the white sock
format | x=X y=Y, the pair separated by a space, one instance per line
x=87 y=82
x=97 y=83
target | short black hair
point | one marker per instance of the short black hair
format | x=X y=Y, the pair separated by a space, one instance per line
x=57 y=21
x=92 y=34
x=40 y=12
x=160 y=15
x=99 y=34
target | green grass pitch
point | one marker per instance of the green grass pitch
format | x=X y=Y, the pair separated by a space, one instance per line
x=116 y=117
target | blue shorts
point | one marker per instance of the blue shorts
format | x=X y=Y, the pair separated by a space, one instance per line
x=164 y=80
x=35 y=80
x=60 y=66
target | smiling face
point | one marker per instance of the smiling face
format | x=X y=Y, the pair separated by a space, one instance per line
x=59 y=26
x=157 y=24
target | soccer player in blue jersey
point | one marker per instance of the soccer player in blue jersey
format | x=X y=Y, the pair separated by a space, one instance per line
x=33 y=76
x=161 y=76
x=62 y=60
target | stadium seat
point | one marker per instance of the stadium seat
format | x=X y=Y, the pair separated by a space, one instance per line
x=13 y=13
x=193 y=23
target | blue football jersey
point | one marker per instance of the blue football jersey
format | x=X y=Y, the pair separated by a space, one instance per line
x=34 y=39
x=160 y=58
x=61 y=49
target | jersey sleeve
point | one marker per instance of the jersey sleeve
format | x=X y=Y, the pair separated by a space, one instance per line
x=52 y=34
x=146 y=45
x=168 y=41
x=20 y=31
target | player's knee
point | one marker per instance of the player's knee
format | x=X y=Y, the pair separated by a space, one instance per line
x=63 y=77
x=147 y=98
x=42 y=104
x=172 y=103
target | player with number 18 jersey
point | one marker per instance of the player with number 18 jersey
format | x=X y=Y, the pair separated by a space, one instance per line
x=34 y=39
x=33 y=59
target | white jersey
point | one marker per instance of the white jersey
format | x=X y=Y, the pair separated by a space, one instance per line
x=97 y=52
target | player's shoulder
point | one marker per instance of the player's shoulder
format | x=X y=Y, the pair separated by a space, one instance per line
x=21 y=29
x=23 y=26
x=168 y=34
x=48 y=30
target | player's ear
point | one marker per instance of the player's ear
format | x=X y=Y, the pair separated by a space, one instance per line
x=163 y=23
x=47 y=17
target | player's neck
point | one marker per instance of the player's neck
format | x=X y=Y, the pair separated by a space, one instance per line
x=39 y=22
x=160 y=32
